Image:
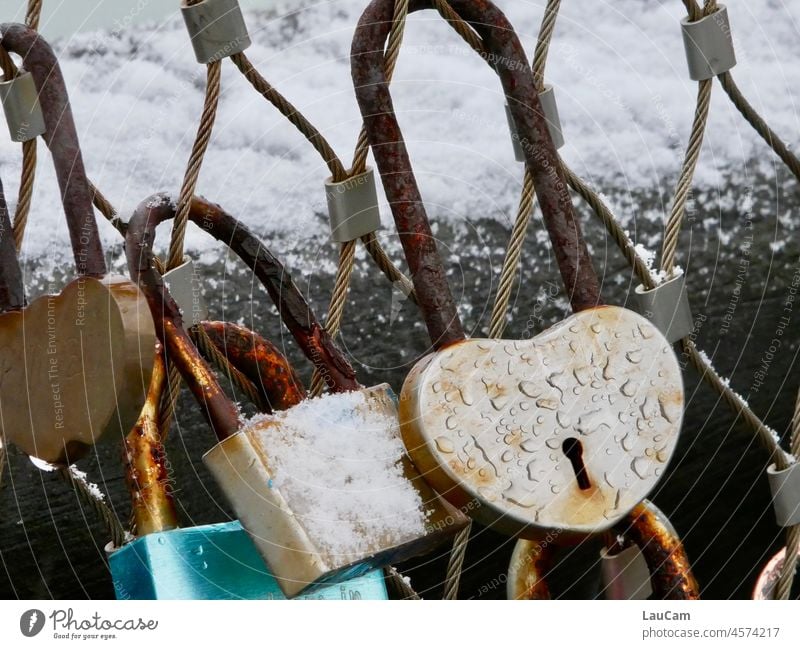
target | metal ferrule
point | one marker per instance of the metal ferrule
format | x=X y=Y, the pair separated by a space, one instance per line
x=186 y=289
x=21 y=107
x=217 y=29
x=212 y=562
x=625 y=574
x=241 y=468
x=709 y=45
x=785 y=487
x=667 y=307
x=353 y=207
x=548 y=99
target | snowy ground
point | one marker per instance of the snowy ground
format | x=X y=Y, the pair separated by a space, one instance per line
x=618 y=67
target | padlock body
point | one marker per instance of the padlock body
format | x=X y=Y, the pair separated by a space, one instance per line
x=298 y=558
x=212 y=562
x=565 y=431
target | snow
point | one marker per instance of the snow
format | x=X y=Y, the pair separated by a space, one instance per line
x=76 y=473
x=337 y=461
x=624 y=96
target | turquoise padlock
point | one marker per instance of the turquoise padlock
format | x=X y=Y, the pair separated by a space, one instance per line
x=213 y=562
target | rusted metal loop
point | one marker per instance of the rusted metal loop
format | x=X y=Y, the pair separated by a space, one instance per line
x=670 y=571
x=146 y=467
x=646 y=526
x=385 y=137
x=12 y=294
x=260 y=361
x=219 y=411
x=311 y=336
x=62 y=140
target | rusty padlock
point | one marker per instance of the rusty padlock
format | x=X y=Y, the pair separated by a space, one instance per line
x=217 y=561
x=246 y=462
x=569 y=430
x=76 y=364
x=646 y=528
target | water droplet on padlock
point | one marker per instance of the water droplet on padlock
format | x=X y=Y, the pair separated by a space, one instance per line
x=634 y=357
x=547 y=404
x=641 y=466
x=445 y=444
x=628 y=388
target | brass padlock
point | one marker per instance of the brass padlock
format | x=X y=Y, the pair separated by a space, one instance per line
x=569 y=430
x=250 y=461
x=646 y=527
x=76 y=364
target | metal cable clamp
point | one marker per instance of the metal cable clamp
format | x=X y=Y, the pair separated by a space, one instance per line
x=353 y=206
x=550 y=110
x=667 y=307
x=185 y=288
x=785 y=487
x=625 y=574
x=708 y=44
x=217 y=29
x=20 y=100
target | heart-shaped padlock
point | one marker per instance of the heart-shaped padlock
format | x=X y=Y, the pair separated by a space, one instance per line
x=569 y=430
x=298 y=554
x=76 y=364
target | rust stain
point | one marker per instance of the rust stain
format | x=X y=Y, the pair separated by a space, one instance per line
x=670 y=569
x=260 y=361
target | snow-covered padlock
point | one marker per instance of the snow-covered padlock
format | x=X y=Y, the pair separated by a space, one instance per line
x=569 y=430
x=324 y=489
x=649 y=537
x=75 y=364
x=211 y=561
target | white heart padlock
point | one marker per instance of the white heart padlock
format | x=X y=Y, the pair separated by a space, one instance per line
x=568 y=430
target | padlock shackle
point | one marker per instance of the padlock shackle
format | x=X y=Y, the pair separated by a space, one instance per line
x=315 y=342
x=62 y=139
x=670 y=570
x=146 y=468
x=12 y=292
x=277 y=382
x=218 y=409
x=385 y=137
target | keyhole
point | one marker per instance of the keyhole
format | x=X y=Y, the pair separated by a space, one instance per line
x=573 y=449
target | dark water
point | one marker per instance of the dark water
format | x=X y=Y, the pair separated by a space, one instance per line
x=715 y=492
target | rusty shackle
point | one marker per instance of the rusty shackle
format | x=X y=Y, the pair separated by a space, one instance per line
x=386 y=139
x=61 y=138
x=315 y=342
x=646 y=526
